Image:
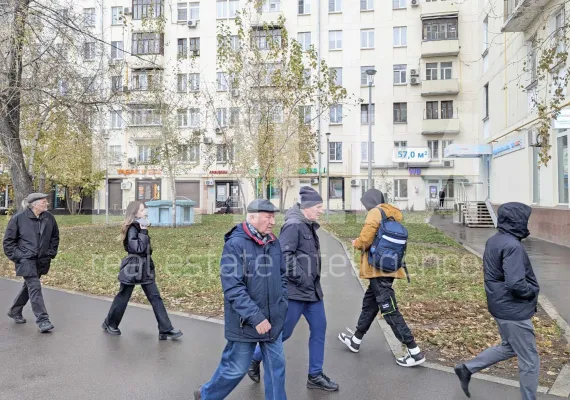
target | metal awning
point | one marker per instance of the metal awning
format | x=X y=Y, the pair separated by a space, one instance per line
x=467 y=150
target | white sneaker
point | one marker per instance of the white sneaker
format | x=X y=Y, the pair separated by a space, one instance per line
x=410 y=360
x=347 y=340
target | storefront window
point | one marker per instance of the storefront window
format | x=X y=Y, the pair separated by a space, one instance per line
x=336 y=188
x=147 y=191
x=563 y=169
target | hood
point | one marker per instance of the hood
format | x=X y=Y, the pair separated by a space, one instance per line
x=513 y=219
x=241 y=231
x=372 y=198
x=295 y=214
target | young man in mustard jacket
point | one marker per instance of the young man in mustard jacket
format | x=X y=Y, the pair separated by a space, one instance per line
x=380 y=295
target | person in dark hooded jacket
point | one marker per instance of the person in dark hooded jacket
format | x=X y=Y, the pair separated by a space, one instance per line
x=512 y=296
x=302 y=251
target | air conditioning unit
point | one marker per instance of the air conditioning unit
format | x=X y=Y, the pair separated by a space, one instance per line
x=127 y=11
x=414 y=81
x=112 y=63
x=125 y=89
x=208 y=140
x=354 y=182
x=402 y=165
x=235 y=93
x=132 y=160
x=414 y=72
x=126 y=185
x=314 y=181
x=448 y=164
x=192 y=24
x=415 y=3
x=209 y=182
x=218 y=131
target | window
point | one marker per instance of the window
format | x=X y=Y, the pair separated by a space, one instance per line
x=367 y=39
x=117 y=50
x=234 y=43
x=89 y=50
x=400 y=36
x=486 y=100
x=116 y=15
x=434 y=148
x=446 y=68
x=194 y=11
x=116 y=83
x=190 y=153
x=397 y=4
x=148 y=154
x=182 y=118
x=335 y=5
x=486 y=33
x=221 y=117
x=182 y=11
x=271 y=6
x=563 y=169
x=401 y=188
x=336 y=73
x=267 y=39
x=364 y=151
x=144 y=117
x=336 y=114
x=304 y=7
x=402 y=144
x=400 y=113
x=364 y=114
x=306 y=75
x=89 y=16
x=89 y=84
x=447 y=109
x=234 y=116
x=431 y=71
x=147 y=43
x=194 y=117
x=222 y=81
x=227 y=8
x=431 y=110
x=400 y=74
x=195 y=46
x=335 y=151
x=145 y=79
x=117 y=121
x=532 y=59
x=558 y=35
x=305 y=39
x=182 y=51
x=444 y=144
x=336 y=188
x=335 y=40
x=194 y=81
x=305 y=114
x=115 y=154
x=366 y=5
x=224 y=152
x=364 y=77
x=147 y=9
x=181 y=83
x=440 y=29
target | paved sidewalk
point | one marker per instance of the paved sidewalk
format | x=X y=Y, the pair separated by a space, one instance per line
x=79 y=361
x=551 y=262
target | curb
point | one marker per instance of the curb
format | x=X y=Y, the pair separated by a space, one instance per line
x=396 y=346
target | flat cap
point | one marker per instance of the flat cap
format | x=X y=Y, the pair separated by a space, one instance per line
x=36 y=196
x=261 y=205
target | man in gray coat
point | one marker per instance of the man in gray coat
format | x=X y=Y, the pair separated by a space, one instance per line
x=31 y=241
x=512 y=295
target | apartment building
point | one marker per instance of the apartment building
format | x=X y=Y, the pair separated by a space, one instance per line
x=514 y=34
x=424 y=98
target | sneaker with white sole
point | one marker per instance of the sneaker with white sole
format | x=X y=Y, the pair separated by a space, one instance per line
x=411 y=360
x=348 y=341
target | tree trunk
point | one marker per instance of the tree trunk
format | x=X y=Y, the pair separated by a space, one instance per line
x=242 y=194
x=42 y=180
x=284 y=197
x=173 y=188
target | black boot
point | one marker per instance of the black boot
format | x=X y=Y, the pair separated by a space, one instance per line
x=18 y=318
x=254 y=371
x=110 y=330
x=464 y=377
x=172 y=334
x=321 y=381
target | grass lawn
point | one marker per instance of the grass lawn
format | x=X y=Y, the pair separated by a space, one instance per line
x=445 y=302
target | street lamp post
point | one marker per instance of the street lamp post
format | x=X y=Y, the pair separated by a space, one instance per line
x=328 y=174
x=106 y=137
x=370 y=73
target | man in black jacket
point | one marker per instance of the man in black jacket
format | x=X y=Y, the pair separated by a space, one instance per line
x=31 y=241
x=301 y=248
x=512 y=295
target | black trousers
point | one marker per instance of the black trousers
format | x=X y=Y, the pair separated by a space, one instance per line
x=122 y=298
x=380 y=296
x=32 y=291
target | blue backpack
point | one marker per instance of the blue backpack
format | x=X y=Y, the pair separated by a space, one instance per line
x=389 y=246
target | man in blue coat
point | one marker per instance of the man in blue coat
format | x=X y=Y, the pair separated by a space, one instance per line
x=252 y=270
x=512 y=295
x=302 y=251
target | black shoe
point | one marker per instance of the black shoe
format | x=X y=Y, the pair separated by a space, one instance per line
x=323 y=382
x=45 y=326
x=254 y=371
x=347 y=340
x=172 y=334
x=19 y=319
x=198 y=394
x=464 y=377
x=110 y=330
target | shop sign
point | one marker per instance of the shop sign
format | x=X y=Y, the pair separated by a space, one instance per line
x=508 y=146
x=415 y=171
x=218 y=172
x=139 y=172
x=412 y=155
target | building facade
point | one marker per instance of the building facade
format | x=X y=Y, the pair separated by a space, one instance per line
x=424 y=98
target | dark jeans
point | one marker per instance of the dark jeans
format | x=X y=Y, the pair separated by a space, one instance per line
x=314 y=313
x=31 y=290
x=380 y=296
x=152 y=294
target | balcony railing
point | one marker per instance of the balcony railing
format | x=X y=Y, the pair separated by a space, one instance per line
x=447 y=121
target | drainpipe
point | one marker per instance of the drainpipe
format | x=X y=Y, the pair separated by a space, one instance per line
x=318 y=99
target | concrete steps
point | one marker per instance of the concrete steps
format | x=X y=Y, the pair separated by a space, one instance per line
x=477 y=215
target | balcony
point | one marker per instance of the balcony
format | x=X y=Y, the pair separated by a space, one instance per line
x=439 y=8
x=519 y=14
x=440 y=48
x=440 y=87
x=441 y=126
